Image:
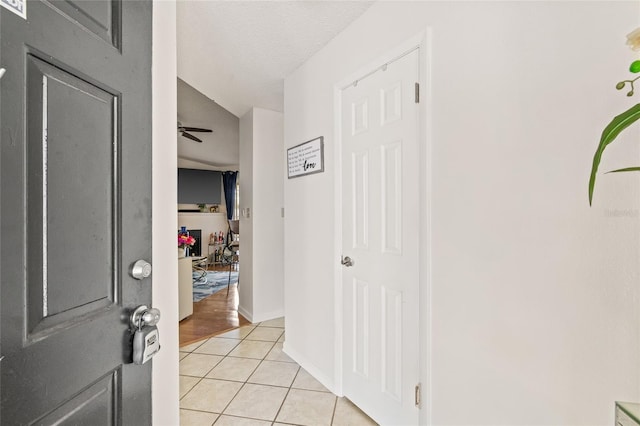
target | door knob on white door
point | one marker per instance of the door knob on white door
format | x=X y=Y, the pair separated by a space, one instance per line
x=347 y=261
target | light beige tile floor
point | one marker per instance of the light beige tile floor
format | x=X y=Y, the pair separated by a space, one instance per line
x=243 y=378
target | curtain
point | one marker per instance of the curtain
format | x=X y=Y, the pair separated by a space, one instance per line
x=229 y=184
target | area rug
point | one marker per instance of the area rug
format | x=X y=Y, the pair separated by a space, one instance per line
x=210 y=284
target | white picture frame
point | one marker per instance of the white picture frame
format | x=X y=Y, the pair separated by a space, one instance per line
x=306 y=158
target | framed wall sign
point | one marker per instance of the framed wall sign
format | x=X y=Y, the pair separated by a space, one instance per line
x=306 y=158
x=19 y=7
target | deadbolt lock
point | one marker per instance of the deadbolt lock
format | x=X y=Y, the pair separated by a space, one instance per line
x=141 y=269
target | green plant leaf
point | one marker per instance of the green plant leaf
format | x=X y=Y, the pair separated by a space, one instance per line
x=628 y=169
x=635 y=67
x=609 y=134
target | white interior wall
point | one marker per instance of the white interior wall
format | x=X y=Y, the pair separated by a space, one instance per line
x=261 y=230
x=534 y=297
x=268 y=234
x=208 y=223
x=245 y=287
x=165 y=383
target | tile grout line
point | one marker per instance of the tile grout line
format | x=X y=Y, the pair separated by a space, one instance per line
x=243 y=384
x=253 y=372
x=287 y=394
x=245 y=338
x=208 y=371
x=247 y=380
x=222 y=412
x=203 y=377
x=333 y=415
x=190 y=389
x=194 y=385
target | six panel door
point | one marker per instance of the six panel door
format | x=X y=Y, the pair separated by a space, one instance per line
x=380 y=233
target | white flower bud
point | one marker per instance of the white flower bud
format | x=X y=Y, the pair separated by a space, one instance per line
x=633 y=39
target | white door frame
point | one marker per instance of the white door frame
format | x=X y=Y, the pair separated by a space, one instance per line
x=423 y=42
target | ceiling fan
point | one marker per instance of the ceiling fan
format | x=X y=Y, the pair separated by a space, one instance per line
x=183 y=131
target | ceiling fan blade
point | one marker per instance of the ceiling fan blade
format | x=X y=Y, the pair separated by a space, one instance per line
x=196 y=129
x=193 y=138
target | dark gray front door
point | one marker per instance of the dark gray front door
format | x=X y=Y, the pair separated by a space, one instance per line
x=75 y=210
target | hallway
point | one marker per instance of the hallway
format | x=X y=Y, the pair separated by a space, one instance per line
x=212 y=315
x=242 y=377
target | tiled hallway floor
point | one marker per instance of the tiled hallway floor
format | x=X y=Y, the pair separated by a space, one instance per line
x=243 y=378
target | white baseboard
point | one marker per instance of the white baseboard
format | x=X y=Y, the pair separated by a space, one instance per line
x=268 y=316
x=309 y=366
x=248 y=315
x=260 y=317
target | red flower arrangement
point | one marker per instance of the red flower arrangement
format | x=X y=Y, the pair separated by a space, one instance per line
x=185 y=240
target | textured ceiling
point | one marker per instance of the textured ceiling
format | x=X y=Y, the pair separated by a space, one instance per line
x=239 y=52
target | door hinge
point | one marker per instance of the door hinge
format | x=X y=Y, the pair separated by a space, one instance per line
x=417 y=93
x=418 y=395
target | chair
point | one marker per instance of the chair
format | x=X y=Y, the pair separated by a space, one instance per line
x=230 y=252
x=199 y=267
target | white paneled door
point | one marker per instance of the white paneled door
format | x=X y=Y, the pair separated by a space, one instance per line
x=380 y=158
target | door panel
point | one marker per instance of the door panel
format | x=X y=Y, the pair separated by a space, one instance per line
x=102 y=18
x=75 y=182
x=380 y=233
x=95 y=405
x=71 y=205
x=391 y=178
x=360 y=199
x=361 y=321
